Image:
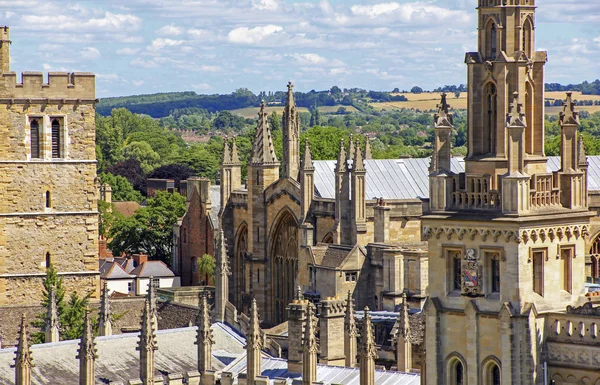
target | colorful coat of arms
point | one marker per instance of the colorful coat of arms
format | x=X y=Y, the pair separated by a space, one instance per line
x=472 y=284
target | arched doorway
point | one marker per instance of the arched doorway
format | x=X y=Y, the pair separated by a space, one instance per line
x=284 y=259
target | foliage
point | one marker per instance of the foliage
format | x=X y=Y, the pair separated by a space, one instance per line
x=206 y=268
x=177 y=172
x=70 y=314
x=416 y=90
x=150 y=229
x=108 y=216
x=131 y=170
x=122 y=189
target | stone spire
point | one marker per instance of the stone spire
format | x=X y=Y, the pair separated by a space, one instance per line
x=358 y=199
x=147 y=345
x=310 y=349
x=87 y=353
x=342 y=160
x=581 y=156
x=105 y=321
x=350 y=333
x=291 y=136
x=402 y=338
x=151 y=297
x=52 y=325
x=23 y=359
x=307 y=190
x=204 y=336
x=368 y=151
x=263 y=151
x=368 y=351
x=351 y=147
x=358 y=163
x=307 y=163
x=226 y=152
x=222 y=273
x=235 y=157
x=569 y=123
x=254 y=344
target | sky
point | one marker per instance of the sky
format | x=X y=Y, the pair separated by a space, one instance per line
x=216 y=46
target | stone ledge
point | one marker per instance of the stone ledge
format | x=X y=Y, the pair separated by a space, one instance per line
x=32 y=275
x=49 y=214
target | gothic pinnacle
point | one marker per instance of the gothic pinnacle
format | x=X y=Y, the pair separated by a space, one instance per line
x=307 y=163
x=204 y=336
x=23 y=359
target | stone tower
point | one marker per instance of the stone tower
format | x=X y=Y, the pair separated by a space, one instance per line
x=508 y=235
x=291 y=136
x=49 y=193
x=263 y=170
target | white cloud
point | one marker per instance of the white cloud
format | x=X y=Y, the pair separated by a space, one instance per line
x=211 y=68
x=132 y=39
x=245 y=35
x=109 y=77
x=202 y=87
x=194 y=32
x=138 y=62
x=128 y=51
x=138 y=83
x=90 y=53
x=308 y=58
x=268 y=5
x=374 y=10
x=110 y=22
x=48 y=47
x=418 y=12
x=9 y=14
x=597 y=40
x=160 y=43
x=170 y=30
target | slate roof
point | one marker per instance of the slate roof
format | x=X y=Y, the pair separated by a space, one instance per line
x=155 y=269
x=113 y=270
x=329 y=255
x=409 y=178
x=277 y=368
x=118 y=361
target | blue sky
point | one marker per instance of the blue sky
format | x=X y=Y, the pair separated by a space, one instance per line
x=216 y=46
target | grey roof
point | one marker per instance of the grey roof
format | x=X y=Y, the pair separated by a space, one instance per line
x=277 y=368
x=155 y=269
x=215 y=204
x=119 y=361
x=409 y=178
x=113 y=270
x=387 y=178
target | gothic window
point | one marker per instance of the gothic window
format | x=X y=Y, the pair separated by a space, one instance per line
x=566 y=254
x=527 y=37
x=34 y=128
x=489 y=137
x=595 y=255
x=284 y=257
x=491 y=34
x=456 y=372
x=184 y=235
x=493 y=260
x=493 y=377
x=537 y=261
x=238 y=277
x=454 y=269
x=56 y=142
x=595 y=270
x=529 y=135
x=194 y=264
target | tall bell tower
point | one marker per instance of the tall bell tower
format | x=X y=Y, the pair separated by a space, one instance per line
x=506 y=63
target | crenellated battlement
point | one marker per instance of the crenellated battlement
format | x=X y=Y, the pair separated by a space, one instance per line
x=59 y=86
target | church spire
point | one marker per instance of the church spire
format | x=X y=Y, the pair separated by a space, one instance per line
x=23 y=359
x=87 y=353
x=254 y=345
x=263 y=151
x=368 y=351
x=52 y=324
x=105 y=321
x=350 y=333
x=291 y=136
x=147 y=345
x=310 y=349
x=204 y=336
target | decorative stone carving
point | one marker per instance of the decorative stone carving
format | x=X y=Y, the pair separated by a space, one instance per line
x=472 y=283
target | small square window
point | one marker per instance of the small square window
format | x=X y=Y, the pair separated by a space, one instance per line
x=351 y=277
x=130 y=287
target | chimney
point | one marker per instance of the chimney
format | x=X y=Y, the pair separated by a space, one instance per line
x=382 y=222
x=138 y=259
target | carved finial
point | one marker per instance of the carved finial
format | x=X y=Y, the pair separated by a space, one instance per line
x=105 y=321
x=299 y=295
x=87 y=352
x=310 y=338
x=515 y=116
x=349 y=320
x=204 y=336
x=151 y=297
x=263 y=151
x=147 y=345
x=310 y=349
x=404 y=317
x=443 y=118
x=254 y=344
x=569 y=116
x=351 y=147
x=23 y=358
x=358 y=163
x=342 y=160
x=226 y=151
x=368 y=151
x=367 y=346
x=222 y=260
x=581 y=156
x=235 y=157
x=307 y=163
x=52 y=324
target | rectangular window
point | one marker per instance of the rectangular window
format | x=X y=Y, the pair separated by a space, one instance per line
x=537 y=260
x=453 y=269
x=351 y=277
x=492 y=260
x=129 y=287
x=566 y=254
x=456 y=272
x=495 y=276
x=156 y=282
x=56 y=142
x=34 y=127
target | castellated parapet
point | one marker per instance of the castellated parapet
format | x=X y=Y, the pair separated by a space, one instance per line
x=48 y=187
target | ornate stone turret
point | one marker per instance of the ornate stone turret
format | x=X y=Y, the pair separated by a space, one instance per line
x=254 y=344
x=342 y=197
x=367 y=352
x=4 y=50
x=350 y=333
x=222 y=273
x=310 y=349
x=23 y=358
x=368 y=151
x=52 y=326
x=204 y=336
x=359 y=203
x=235 y=156
x=291 y=136
x=263 y=151
x=351 y=147
x=572 y=177
x=87 y=353
x=440 y=160
x=105 y=318
x=147 y=345
x=402 y=338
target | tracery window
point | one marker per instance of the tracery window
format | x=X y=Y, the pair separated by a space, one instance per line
x=284 y=254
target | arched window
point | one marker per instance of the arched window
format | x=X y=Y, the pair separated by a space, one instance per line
x=48 y=200
x=34 y=128
x=238 y=277
x=595 y=272
x=456 y=372
x=491 y=33
x=491 y=372
x=489 y=135
x=56 y=150
x=529 y=135
x=527 y=37
x=284 y=257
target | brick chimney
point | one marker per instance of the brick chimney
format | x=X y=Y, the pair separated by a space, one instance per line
x=138 y=259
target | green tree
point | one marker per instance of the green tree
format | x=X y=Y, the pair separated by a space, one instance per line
x=108 y=216
x=416 y=90
x=150 y=229
x=206 y=267
x=143 y=152
x=324 y=141
x=275 y=121
x=122 y=190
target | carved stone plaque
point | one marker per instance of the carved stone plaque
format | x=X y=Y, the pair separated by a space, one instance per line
x=472 y=282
